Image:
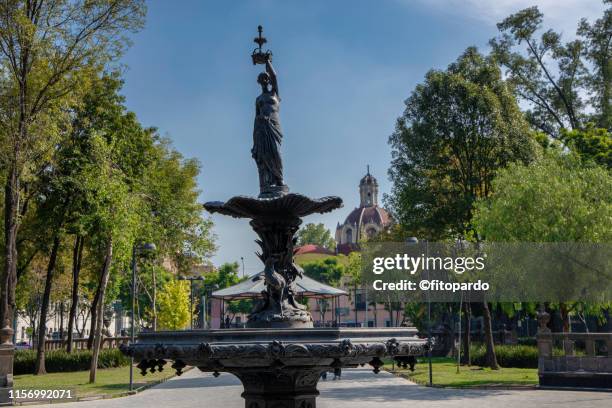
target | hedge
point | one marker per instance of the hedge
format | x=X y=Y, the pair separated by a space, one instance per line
x=58 y=361
x=515 y=356
x=527 y=341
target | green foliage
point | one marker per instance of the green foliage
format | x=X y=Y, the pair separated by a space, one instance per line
x=240 y=306
x=353 y=268
x=327 y=270
x=515 y=356
x=459 y=128
x=173 y=304
x=556 y=199
x=316 y=234
x=590 y=143
x=225 y=276
x=58 y=361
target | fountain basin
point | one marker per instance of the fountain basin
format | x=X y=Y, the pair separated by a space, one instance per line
x=278 y=367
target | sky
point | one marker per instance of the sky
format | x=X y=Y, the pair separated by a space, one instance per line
x=344 y=68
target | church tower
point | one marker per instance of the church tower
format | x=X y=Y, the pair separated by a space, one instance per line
x=368 y=190
x=365 y=221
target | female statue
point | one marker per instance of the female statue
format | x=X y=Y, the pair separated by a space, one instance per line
x=267 y=136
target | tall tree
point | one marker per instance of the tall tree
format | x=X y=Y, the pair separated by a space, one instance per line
x=316 y=234
x=561 y=81
x=557 y=199
x=597 y=40
x=459 y=128
x=47 y=47
x=174 y=306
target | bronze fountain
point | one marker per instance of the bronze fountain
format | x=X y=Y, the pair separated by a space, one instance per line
x=280 y=356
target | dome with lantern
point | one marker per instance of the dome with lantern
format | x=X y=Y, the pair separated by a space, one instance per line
x=365 y=221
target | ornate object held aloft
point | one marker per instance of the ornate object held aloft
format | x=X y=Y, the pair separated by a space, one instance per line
x=259 y=56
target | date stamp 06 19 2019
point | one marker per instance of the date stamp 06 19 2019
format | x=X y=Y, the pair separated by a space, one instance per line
x=40 y=395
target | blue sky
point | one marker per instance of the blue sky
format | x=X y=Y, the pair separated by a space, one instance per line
x=344 y=67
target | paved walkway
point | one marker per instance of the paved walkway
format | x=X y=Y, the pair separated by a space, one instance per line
x=359 y=388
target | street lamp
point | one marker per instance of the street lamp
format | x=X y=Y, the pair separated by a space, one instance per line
x=191 y=279
x=208 y=289
x=138 y=249
x=414 y=241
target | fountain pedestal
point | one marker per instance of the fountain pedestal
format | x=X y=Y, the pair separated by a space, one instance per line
x=295 y=388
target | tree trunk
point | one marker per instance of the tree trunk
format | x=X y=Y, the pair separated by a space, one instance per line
x=42 y=327
x=355 y=305
x=564 y=311
x=94 y=315
x=61 y=320
x=491 y=358
x=77 y=256
x=466 y=358
x=154 y=302
x=100 y=312
x=9 y=272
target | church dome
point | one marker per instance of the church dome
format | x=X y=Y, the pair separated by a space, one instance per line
x=368 y=215
x=365 y=221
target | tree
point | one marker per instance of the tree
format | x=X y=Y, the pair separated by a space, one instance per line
x=224 y=277
x=316 y=234
x=597 y=40
x=47 y=50
x=328 y=270
x=591 y=144
x=459 y=128
x=560 y=81
x=557 y=199
x=173 y=303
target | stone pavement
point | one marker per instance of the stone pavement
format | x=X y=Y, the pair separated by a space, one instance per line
x=359 y=388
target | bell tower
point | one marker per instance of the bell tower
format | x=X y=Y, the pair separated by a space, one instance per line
x=368 y=190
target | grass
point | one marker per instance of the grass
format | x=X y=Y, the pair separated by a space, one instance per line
x=445 y=374
x=108 y=381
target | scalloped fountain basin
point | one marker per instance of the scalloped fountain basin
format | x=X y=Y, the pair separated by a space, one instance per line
x=278 y=367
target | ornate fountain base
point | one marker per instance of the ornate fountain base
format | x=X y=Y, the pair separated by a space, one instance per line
x=278 y=368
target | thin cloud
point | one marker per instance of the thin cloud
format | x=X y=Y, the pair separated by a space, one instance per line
x=562 y=15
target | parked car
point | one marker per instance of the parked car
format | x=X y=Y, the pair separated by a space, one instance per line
x=22 y=345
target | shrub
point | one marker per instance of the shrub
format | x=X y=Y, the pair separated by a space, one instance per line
x=58 y=361
x=515 y=356
x=527 y=341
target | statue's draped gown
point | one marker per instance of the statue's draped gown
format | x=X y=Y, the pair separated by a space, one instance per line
x=267 y=138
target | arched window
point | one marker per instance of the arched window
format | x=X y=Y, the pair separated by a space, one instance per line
x=371 y=232
x=349 y=236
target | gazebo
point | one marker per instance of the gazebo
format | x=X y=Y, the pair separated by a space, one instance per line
x=254 y=286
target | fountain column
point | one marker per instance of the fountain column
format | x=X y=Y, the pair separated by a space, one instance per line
x=289 y=388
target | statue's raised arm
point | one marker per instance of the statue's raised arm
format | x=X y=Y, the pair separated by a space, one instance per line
x=273 y=81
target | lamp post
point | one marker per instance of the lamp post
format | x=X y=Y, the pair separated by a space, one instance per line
x=137 y=250
x=207 y=294
x=414 y=241
x=191 y=279
x=242 y=260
